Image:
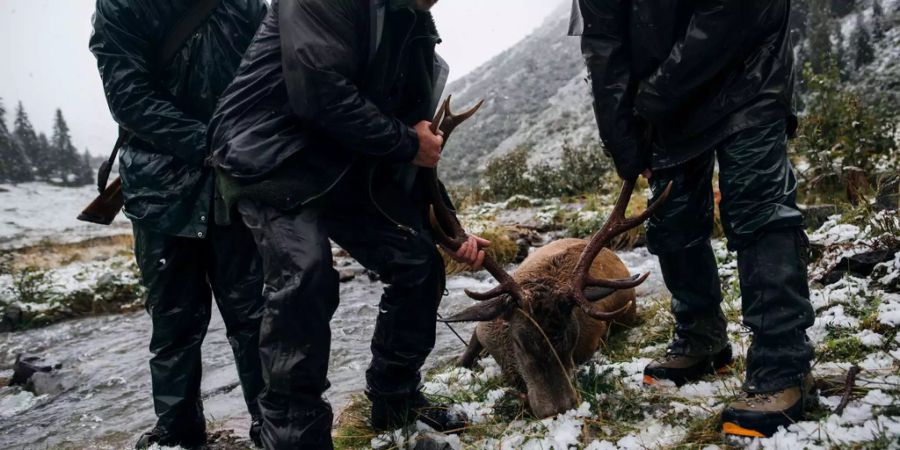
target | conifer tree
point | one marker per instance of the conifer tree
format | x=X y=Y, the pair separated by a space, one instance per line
x=26 y=137
x=820 y=53
x=14 y=166
x=877 y=20
x=864 y=53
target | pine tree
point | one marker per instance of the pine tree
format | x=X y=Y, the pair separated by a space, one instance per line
x=864 y=53
x=14 y=166
x=820 y=52
x=26 y=139
x=68 y=165
x=877 y=20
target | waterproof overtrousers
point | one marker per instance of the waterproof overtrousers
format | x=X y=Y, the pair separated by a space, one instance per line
x=182 y=276
x=763 y=224
x=302 y=294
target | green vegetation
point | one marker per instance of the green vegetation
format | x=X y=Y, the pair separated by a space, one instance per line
x=580 y=171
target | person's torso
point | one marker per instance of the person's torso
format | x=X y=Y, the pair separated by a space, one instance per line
x=755 y=86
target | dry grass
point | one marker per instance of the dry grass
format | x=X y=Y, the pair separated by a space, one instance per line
x=48 y=255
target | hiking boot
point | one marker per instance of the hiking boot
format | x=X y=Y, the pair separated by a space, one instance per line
x=256 y=432
x=682 y=369
x=393 y=414
x=760 y=415
x=163 y=438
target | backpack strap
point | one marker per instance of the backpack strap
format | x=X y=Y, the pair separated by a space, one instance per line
x=177 y=37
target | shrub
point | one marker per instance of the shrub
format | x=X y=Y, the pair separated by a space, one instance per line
x=839 y=132
x=580 y=171
x=32 y=285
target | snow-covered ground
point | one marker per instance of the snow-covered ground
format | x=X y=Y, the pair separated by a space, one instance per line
x=854 y=313
x=36 y=212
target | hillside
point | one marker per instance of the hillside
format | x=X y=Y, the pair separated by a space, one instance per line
x=537 y=96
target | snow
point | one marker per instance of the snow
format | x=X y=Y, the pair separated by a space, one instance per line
x=35 y=212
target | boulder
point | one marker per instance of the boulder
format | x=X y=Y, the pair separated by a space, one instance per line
x=862 y=265
x=26 y=367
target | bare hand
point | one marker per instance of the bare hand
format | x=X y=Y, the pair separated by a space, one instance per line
x=471 y=253
x=429 y=146
x=647 y=174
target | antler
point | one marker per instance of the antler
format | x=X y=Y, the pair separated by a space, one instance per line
x=614 y=226
x=446 y=226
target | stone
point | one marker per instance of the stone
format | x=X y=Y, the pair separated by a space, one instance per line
x=25 y=367
x=862 y=265
x=816 y=215
x=347 y=275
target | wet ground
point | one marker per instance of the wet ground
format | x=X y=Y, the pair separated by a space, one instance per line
x=100 y=395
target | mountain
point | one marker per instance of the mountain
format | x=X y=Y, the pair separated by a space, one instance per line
x=536 y=93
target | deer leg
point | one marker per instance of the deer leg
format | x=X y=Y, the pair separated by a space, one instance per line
x=472 y=353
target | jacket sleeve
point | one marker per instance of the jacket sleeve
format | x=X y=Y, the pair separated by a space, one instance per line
x=136 y=100
x=605 y=46
x=716 y=36
x=323 y=54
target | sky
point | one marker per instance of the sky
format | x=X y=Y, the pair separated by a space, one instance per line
x=45 y=62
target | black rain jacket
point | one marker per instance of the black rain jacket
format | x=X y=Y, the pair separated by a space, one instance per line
x=166 y=184
x=673 y=78
x=318 y=87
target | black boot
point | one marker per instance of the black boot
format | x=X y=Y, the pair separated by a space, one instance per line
x=682 y=369
x=165 y=438
x=398 y=413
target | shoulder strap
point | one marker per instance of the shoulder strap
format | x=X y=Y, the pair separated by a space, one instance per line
x=175 y=40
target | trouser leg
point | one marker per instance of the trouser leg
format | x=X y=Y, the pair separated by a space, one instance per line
x=765 y=226
x=301 y=293
x=236 y=277
x=413 y=272
x=679 y=235
x=178 y=300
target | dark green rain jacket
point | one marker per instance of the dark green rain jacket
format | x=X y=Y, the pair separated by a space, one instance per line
x=167 y=184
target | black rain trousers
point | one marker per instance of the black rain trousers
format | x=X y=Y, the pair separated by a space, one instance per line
x=764 y=225
x=302 y=294
x=182 y=276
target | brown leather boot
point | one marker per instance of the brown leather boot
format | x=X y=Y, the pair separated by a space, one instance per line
x=760 y=415
x=684 y=369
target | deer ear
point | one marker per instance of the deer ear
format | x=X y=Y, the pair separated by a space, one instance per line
x=482 y=312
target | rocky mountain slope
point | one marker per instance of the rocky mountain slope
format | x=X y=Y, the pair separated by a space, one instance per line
x=537 y=95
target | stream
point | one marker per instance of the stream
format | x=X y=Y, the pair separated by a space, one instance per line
x=101 y=396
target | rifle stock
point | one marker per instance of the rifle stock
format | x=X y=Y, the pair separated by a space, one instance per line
x=104 y=209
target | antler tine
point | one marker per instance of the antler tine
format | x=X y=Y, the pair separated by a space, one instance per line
x=447 y=228
x=617 y=224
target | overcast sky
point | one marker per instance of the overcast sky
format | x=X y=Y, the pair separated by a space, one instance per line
x=45 y=63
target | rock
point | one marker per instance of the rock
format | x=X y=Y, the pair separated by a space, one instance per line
x=347 y=275
x=48 y=383
x=860 y=265
x=11 y=318
x=373 y=275
x=432 y=442
x=816 y=215
x=26 y=367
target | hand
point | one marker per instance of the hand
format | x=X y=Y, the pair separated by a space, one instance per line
x=471 y=253
x=430 y=146
x=648 y=174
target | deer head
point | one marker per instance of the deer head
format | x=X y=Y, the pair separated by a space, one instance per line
x=538 y=307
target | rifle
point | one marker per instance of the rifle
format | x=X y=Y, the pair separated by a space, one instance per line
x=104 y=209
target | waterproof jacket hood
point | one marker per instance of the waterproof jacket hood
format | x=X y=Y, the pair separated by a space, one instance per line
x=166 y=184
x=683 y=75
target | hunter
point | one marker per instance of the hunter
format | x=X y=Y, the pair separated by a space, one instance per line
x=184 y=258
x=679 y=85
x=322 y=136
